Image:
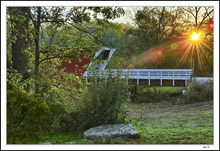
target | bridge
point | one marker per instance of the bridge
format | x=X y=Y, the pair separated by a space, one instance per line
x=149 y=77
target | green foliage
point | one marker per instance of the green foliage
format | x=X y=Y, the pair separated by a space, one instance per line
x=101 y=103
x=15 y=81
x=195 y=93
x=156 y=23
x=61 y=91
x=116 y=62
x=26 y=116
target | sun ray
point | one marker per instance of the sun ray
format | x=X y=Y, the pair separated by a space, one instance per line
x=187 y=51
x=198 y=55
x=185 y=46
x=200 y=47
x=206 y=46
x=204 y=40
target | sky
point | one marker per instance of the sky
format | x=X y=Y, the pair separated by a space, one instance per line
x=129 y=15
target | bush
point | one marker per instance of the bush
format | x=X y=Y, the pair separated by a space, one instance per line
x=58 y=91
x=26 y=116
x=60 y=106
x=195 y=93
x=101 y=103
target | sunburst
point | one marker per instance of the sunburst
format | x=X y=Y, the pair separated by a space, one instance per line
x=193 y=45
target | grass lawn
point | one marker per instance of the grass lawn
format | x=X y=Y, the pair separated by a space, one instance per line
x=167 y=123
x=156 y=94
x=163 y=89
x=158 y=123
x=191 y=130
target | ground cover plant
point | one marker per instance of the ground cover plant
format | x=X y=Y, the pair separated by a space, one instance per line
x=155 y=94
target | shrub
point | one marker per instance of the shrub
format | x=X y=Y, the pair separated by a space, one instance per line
x=195 y=93
x=56 y=88
x=101 y=103
x=26 y=116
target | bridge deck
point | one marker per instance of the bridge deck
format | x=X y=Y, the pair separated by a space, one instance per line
x=150 y=75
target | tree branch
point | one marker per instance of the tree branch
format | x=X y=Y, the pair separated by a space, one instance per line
x=78 y=29
x=32 y=19
x=204 y=18
x=189 y=12
x=169 y=27
x=86 y=32
x=48 y=59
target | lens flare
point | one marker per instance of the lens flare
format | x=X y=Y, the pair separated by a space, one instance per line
x=159 y=53
x=195 y=36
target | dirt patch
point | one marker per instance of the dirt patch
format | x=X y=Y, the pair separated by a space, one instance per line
x=160 y=111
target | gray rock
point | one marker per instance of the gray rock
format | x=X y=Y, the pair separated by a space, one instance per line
x=201 y=81
x=112 y=131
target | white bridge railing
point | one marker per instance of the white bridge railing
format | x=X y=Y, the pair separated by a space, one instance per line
x=148 y=74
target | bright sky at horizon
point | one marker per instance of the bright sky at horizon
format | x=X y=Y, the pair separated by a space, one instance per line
x=129 y=15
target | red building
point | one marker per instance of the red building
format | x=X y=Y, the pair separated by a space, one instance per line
x=79 y=67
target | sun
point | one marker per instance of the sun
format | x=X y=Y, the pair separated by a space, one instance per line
x=195 y=36
x=194 y=44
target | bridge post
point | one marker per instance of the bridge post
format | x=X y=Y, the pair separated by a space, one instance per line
x=105 y=79
x=185 y=78
x=148 y=78
x=173 y=79
x=126 y=76
x=160 y=78
x=137 y=78
x=135 y=91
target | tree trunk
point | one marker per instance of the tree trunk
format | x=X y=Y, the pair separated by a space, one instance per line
x=36 y=40
x=37 y=52
x=196 y=63
x=159 y=24
x=20 y=60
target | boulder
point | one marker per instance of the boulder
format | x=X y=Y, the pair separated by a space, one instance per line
x=201 y=81
x=112 y=131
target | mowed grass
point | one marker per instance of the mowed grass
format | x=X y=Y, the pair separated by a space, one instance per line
x=195 y=130
x=169 y=123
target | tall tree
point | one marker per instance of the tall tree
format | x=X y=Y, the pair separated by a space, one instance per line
x=19 y=27
x=157 y=23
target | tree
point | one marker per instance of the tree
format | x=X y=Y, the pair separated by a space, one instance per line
x=18 y=39
x=157 y=23
x=75 y=16
x=200 y=15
